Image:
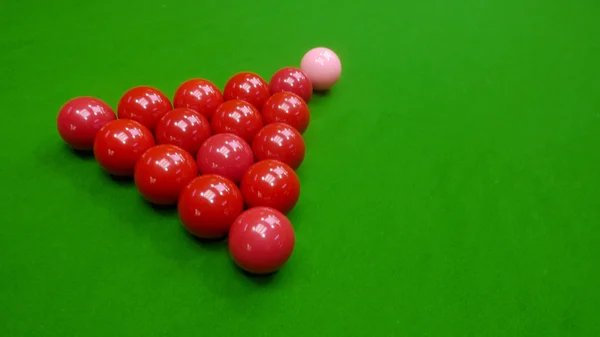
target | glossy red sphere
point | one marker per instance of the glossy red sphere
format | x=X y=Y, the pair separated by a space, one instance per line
x=79 y=120
x=249 y=87
x=162 y=172
x=271 y=183
x=288 y=108
x=209 y=205
x=239 y=118
x=119 y=144
x=292 y=80
x=145 y=105
x=261 y=240
x=281 y=142
x=200 y=95
x=225 y=154
x=183 y=127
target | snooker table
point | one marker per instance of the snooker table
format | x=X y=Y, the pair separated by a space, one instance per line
x=451 y=185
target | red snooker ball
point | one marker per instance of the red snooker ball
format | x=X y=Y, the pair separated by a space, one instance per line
x=239 y=118
x=249 y=87
x=280 y=142
x=271 y=183
x=261 y=240
x=79 y=120
x=119 y=144
x=200 y=95
x=183 y=127
x=209 y=205
x=225 y=154
x=292 y=80
x=288 y=108
x=145 y=105
x=162 y=172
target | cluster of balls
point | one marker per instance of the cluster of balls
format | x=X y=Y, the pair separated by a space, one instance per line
x=227 y=159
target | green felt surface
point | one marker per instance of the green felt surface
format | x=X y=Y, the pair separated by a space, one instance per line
x=450 y=188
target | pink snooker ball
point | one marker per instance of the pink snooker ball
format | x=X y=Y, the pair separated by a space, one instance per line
x=322 y=66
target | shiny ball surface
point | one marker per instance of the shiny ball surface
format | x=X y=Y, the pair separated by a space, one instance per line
x=292 y=80
x=249 y=87
x=261 y=240
x=185 y=128
x=144 y=104
x=119 y=145
x=209 y=205
x=288 y=108
x=280 y=142
x=239 y=118
x=225 y=154
x=79 y=120
x=162 y=172
x=271 y=183
x=322 y=66
x=200 y=95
